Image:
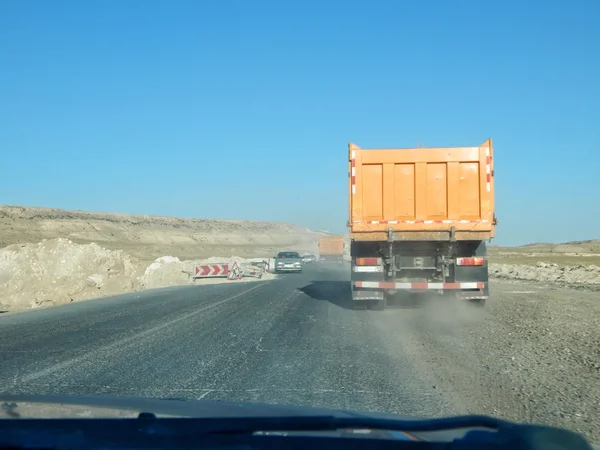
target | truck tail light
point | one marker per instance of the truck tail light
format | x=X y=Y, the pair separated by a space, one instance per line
x=367 y=261
x=476 y=261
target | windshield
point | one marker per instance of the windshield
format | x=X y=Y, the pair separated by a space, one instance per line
x=380 y=206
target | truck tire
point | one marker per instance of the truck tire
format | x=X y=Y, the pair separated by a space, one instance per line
x=359 y=305
x=477 y=302
x=378 y=305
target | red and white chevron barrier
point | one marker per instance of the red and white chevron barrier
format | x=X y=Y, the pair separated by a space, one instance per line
x=211 y=271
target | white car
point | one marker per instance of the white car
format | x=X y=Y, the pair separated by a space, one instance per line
x=288 y=262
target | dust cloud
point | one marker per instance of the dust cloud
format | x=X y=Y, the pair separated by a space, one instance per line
x=434 y=313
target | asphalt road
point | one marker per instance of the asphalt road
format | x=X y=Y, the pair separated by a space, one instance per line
x=293 y=340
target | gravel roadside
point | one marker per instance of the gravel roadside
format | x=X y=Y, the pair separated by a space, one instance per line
x=533 y=354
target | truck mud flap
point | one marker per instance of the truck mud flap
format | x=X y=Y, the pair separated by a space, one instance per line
x=479 y=294
x=477 y=274
x=363 y=294
x=366 y=270
x=470 y=295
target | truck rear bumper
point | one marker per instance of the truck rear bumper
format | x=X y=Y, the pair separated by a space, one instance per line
x=331 y=258
x=376 y=290
x=466 y=281
x=390 y=285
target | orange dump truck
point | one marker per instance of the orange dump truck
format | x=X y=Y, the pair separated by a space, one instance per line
x=331 y=248
x=419 y=221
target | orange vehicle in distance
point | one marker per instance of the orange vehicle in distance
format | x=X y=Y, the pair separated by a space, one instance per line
x=331 y=249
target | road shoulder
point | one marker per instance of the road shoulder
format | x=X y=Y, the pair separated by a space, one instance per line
x=533 y=354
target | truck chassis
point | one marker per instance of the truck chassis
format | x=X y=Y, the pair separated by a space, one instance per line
x=451 y=268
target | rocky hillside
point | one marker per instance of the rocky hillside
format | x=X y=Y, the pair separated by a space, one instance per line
x=148 y=237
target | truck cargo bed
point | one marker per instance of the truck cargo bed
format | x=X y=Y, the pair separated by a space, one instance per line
x=419 y=221
x=422 y=193
x=331 y=248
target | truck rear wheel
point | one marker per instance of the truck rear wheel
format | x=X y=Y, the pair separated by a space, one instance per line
x=477 y=302
x=472 y=302
x=378 y=305
x=359 y=305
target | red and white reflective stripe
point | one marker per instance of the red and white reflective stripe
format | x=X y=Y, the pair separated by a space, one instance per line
x=382 y=222
x=488 y=170
x=421 y=222
x=368 y=261
x=353 y=172
x=368 y=269
x=417 y=286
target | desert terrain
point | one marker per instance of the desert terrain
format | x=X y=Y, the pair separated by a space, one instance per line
x=573 y=264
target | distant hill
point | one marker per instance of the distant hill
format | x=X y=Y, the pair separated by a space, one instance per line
x=148 y=237
x=587 y=246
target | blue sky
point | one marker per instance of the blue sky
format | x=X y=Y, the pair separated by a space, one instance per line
x=201 y=109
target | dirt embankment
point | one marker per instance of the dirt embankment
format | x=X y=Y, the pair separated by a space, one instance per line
x=569 y=264
x=567 y=254
x=51 y=256
x=149 y=237
x=58 y=271
x=544 y=272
